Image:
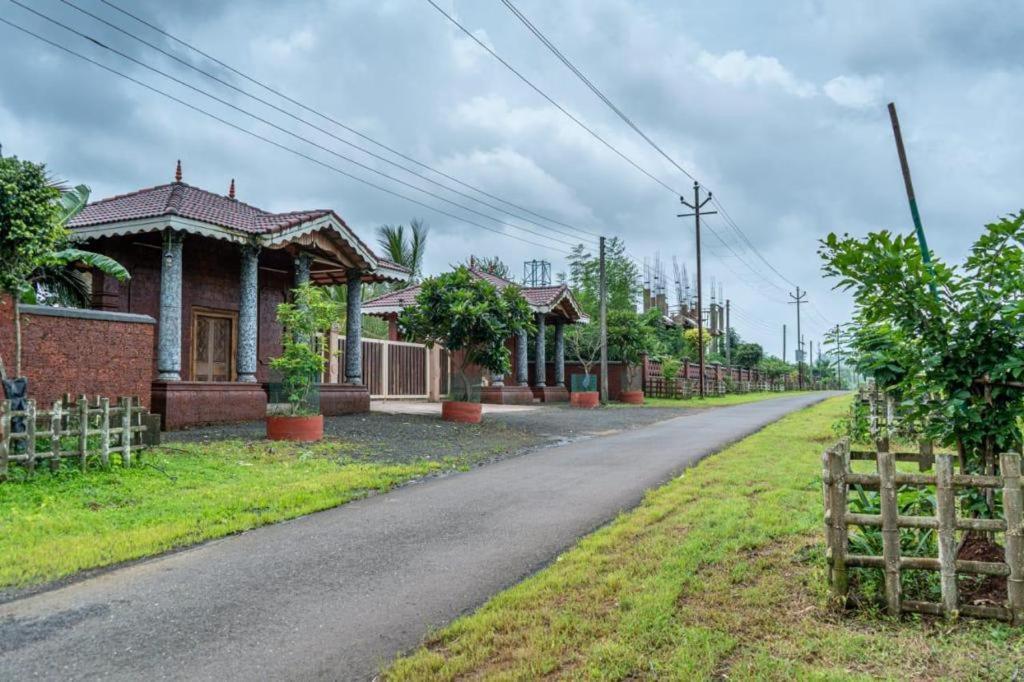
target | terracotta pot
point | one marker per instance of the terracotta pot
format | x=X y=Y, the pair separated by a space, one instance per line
x=632 y=397
x=462 y=412
x=297 y=428
x=587 y=399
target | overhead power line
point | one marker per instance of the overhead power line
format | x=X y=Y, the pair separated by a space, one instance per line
x=290 y=133
x=267 y=140
x=311 y=110
x=625 y=118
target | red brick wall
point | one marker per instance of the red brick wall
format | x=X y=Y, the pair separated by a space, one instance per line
x=75 y=355
x=210 y=279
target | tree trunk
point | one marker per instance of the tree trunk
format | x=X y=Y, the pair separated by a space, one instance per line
x=17 y=339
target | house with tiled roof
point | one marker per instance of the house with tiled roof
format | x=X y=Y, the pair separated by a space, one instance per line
x=552 y=305
x=211 y=270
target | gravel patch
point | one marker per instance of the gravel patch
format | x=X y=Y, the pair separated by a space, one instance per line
x=403 y=438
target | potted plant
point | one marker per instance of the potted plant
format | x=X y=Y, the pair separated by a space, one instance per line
x=312 y=311
x=584 y=342
x=630 y=338
x=473 y=320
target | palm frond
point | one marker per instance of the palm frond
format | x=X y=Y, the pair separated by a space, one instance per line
x=58 y=284
x=72 y=201
x=105 y=264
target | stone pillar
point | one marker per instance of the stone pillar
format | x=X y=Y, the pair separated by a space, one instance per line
x=560 y=353
x=522 y=359
x=168 y=349
x=248 y=314
x=302 y=264
x=354 y=329
x=540 y=362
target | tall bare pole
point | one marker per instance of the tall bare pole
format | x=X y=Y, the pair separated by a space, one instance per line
x=784 y=343
x=728 y=340
x=799 y=299
x=696 y=207
x=603 y=288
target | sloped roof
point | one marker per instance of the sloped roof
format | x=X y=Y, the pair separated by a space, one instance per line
x=541 y=299
x=186 y=201
x=180 y=206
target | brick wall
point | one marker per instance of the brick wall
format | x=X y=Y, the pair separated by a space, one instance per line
x=80 y=351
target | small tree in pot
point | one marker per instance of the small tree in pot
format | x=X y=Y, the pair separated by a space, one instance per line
x=312 y=311
x=630 y=338
x=584 y=342
x=473 y=320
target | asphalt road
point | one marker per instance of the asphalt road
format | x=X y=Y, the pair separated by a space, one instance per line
x=335 y=595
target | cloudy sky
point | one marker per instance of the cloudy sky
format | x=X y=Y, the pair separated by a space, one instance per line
x=778 y=107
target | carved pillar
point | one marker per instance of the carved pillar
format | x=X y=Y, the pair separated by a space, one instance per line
x=248 y=314
x=168 y=349
x=560 y=353
x=354 y=329
x=540 y=362
x=302 y=264
x=522 y=359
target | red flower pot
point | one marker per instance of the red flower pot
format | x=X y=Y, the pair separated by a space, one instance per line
x=462 y=412
x=632 y=397
x=587 y=399
x=297 y=428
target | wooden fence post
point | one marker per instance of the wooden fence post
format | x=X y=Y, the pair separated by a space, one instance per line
x=1009 y=464
x=945 y=502
x=105 y=432
x=890 y=530
x=5 y=438
x=927 y=451
x=125 y=404
x=836 y=461
x=56 y=427
x=30 y=435
x=83 y=429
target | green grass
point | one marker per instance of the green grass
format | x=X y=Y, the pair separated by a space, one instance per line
x=714 y=401
x=718 y=574
x=53 y=525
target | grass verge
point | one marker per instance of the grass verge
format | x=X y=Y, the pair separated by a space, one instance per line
x=715 y=400
x=53 y=525
x=718 y=574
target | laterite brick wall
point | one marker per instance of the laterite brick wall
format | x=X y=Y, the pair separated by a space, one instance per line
x=80 y=351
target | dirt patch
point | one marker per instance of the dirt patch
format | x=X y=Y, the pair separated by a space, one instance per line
x=983 y=590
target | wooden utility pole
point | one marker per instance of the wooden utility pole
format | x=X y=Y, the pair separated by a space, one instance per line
x=799 y=299
x=922 y=243
x=728 y=341
x=839 y=361
x=696 y=207
x=603 y=294
x=783 y=343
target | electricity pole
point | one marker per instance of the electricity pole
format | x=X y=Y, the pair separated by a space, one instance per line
x=922 y=243
x=839 y=361
x=728 y=340
x=696 y=207
x=783 y=343
x=799 y=299
x=603 y=288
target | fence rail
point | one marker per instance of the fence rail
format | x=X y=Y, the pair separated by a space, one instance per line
x=837 y=477
x=74 y=431
x=394 y=369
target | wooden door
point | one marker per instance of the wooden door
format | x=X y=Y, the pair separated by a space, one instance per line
x=213 y=346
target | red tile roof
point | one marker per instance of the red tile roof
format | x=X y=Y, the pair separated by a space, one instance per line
x=538 y=297
x=186 y=201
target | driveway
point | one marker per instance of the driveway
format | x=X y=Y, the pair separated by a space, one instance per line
x=337 y=594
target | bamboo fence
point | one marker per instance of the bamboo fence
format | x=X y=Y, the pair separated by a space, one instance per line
x=837 y=478
x=75 y=431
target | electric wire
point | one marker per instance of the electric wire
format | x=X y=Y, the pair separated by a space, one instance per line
x=316 y=112
x=262 y=138
x=285 y=130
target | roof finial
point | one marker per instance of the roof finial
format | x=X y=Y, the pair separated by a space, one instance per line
x=231 y=190
x=177 y=172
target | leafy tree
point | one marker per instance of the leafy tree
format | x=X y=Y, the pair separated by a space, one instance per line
x=621 y=274
x=405 y=248
x=311 y=311
x=583 y=341
x=464 y=313
x=747 y=354
x=774 y=368
x=947 y=342
x=669 y=369
x=492 y=265
x=691 y=342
